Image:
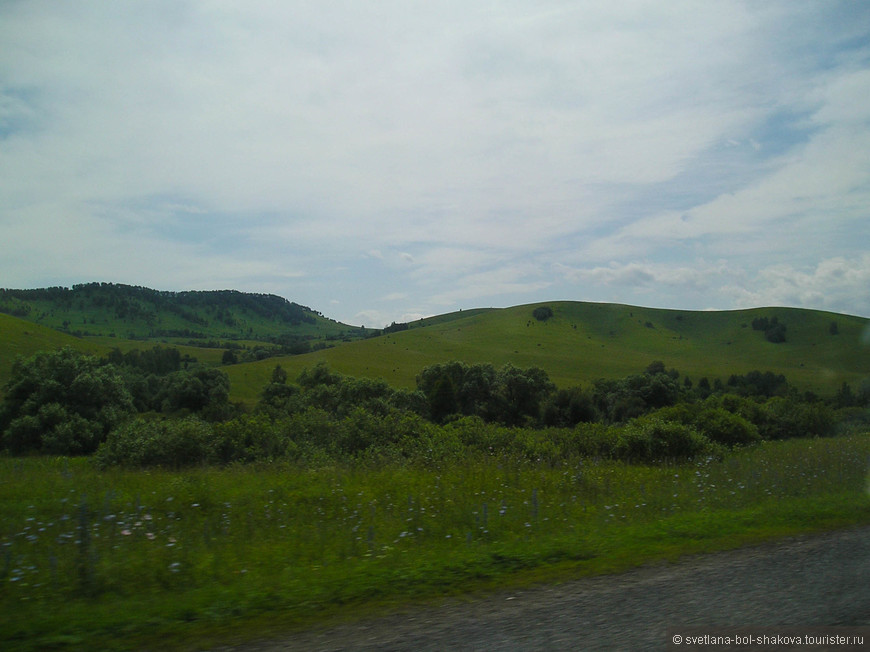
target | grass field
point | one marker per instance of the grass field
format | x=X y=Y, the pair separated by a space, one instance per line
x=23 y=338
x=123 y=559
x=581 y=343
x=587 y=341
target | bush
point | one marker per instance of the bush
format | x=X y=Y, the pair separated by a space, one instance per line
x=542 y=313
x=62 y=402
x=651 y=438
x=568 y=407
x=783 y=418
x=253 y=438
x=726 y=428
x=169 y=443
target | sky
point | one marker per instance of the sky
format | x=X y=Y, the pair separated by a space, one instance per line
x=382 y=161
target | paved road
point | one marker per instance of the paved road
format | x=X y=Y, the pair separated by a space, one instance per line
x=813 y=580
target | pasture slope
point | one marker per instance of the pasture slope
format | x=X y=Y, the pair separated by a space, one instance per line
x=586 y=341
x=23 y=338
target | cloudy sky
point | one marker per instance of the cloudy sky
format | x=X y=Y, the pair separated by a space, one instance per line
x=386 y=160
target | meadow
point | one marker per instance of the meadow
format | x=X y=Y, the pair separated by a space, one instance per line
x=336 y=514
x=120 y=559
x=583 y=342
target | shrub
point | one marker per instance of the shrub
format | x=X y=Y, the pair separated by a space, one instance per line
x=715 y=423
x=542 y=313
x=783 y=418
x=252 y=438
x=568 y=407
x=725 y=428
x=651 y=438
x=170 y=443
x=62 y=402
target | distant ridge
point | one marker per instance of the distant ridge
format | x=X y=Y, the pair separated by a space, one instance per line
x=135 y=312
x=574 y=342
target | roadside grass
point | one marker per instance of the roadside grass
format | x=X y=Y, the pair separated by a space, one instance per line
x=131 y=559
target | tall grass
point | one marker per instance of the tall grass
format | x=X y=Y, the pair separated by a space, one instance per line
x=120 y=558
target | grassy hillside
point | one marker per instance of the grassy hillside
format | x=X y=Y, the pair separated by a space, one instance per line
x=22 y=338
x=586 y=341
x=578 y=344
x=123 y=311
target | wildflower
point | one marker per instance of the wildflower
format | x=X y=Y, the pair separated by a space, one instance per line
x=126 y=533
x=150 y=536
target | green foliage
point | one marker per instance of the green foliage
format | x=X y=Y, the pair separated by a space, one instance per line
x=568 y=407
x=774 y=330
x=718 y=424
x=159 y=360
x=62 y=402
x=168 y=443
x=726 y=428
x=508 y=395
x=107 y=309
x=783 y=418
x=442 y=399
x=253 y=438
x=117 y=559
x=520 y=393
x=542 y=313
x=652 y=438
x=756 y=383
x=621 y=400
x=195 y=390
x=590 y=341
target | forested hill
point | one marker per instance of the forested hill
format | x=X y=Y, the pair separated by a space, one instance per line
x=125 y=311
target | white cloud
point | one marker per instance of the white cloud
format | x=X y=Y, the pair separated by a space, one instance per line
x=449 y=152
x=836 y=284
x=395 y=296
x=504 y=280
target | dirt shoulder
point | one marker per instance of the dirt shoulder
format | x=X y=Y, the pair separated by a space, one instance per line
x=811 y=580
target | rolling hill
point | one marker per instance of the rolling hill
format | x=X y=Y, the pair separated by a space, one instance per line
x=22 y=338
x=582 y=342
x=132 y=312
x=578 y=344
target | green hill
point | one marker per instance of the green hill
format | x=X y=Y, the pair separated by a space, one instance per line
x=131 y=312
x=585 y=341
x=22 y=338
x=578 y=344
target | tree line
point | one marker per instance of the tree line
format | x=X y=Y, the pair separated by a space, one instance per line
x=156 y=408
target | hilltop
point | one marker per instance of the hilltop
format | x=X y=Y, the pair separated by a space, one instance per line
x=582 y=342
x=574 y=342
x=139 y=313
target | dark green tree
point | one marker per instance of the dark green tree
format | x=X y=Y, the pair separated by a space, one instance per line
x=567 y=407
x=521 y=392
x=62 y=402
x=195 y=390
x=442 y=400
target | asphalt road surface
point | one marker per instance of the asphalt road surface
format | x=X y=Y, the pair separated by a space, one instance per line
x=819 y=580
